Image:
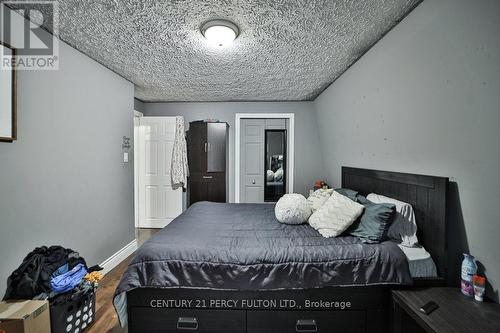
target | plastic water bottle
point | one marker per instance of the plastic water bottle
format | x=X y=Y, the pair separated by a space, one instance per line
x=469 y=268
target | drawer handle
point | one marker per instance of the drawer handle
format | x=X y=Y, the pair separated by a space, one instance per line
x=306 y=325
x=208 y=177
x=187 y=323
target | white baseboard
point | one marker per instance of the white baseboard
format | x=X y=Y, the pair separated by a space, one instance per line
x=118 y=257
x=155 y=224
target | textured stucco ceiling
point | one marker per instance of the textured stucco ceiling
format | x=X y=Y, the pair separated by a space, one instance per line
x=287 y=49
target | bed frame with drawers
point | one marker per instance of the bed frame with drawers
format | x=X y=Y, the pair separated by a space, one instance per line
x=332 y=309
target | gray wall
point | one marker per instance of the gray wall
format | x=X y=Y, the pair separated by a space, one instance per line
x=426 y=99
x=63 y=181
x=308 y=165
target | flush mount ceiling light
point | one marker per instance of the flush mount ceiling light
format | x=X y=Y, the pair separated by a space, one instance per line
x=220 y=32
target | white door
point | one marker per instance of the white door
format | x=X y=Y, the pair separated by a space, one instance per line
x=159 y=204
x=252 y=160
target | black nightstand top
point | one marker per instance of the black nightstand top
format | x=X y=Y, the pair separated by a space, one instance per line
x=456 y=312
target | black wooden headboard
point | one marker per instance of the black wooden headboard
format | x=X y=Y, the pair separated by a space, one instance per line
x=427 y=195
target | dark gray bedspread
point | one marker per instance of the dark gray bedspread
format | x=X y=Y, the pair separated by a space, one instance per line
x=243 y=246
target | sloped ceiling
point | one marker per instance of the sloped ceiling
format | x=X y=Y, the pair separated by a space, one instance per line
x=286 y=50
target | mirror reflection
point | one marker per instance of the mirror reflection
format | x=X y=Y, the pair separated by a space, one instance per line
x=275 y=184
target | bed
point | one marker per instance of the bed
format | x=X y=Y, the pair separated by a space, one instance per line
x=232 y=267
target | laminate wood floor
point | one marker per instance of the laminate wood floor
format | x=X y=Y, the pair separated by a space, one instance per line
x=106 y=319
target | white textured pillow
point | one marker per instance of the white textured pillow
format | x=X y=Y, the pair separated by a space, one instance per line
x=278 y=175
x=318 y=198
x=270 y=175
x=404 y=227
x=336 y=215
x=292 y=209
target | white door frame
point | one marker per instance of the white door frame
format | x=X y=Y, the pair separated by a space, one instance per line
x=137 y=116
x=290 y=144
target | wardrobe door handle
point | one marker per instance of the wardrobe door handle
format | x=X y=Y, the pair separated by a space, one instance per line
x=205 y=147
x=306 y=325
x=187 y=323
x=208 y=177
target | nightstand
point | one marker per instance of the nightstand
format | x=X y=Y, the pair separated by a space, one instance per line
x=456 y=312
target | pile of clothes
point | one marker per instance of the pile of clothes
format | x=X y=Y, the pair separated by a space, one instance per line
x=54 y=273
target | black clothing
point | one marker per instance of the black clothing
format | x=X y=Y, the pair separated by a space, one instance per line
x=32 y=277
x=95 y=268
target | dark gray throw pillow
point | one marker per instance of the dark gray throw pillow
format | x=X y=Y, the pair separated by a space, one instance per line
x=373 y=225
x=351 y=194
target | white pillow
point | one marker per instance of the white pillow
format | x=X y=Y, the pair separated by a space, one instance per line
x=278 y=175
x=404 y=227
x=292 y=209
x=318 y=198
x=336 y=215
x=270 y=175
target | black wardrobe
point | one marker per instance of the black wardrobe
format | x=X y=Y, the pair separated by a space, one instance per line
x=207 y=144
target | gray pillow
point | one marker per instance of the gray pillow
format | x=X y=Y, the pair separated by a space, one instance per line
x=373 y=225
x=404 y=228
x=351 y=194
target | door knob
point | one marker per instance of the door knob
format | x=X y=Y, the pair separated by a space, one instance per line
x=253 y=181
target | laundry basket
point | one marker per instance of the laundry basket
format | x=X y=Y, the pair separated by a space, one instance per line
x=74 y=315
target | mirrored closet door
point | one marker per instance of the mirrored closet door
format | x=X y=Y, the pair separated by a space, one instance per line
x=263 y=153
x=275 y=165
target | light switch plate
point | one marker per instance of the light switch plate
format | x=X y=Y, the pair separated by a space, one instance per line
x=125 y=157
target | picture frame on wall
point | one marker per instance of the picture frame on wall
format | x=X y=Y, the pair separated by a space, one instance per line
x=8 y=112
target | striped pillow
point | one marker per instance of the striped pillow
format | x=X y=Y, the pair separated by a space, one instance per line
x=318 y=198
x=336 y=215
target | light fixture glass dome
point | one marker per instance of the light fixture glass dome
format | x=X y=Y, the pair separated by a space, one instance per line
x=220 y=32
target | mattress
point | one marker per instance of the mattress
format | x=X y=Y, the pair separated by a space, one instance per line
x=420 y=262
x=243 y=247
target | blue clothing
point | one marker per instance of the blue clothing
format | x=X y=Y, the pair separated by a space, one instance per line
x=69 y=280
x=61 y=270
